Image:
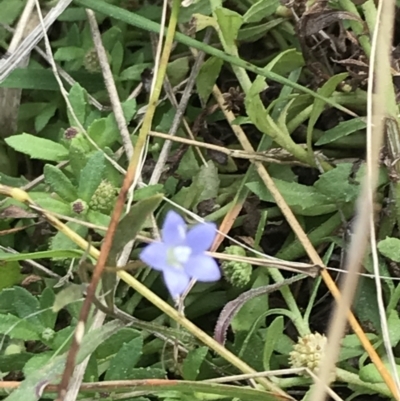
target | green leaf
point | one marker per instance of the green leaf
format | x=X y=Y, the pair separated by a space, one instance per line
x=10 y=11
x=177 y=70
x=78 y=158
x=117 y=57
x=252 y=33
x=113 y=344
x=91 y=176
x=341 y=130
x=59 y=183
x=393 y=322
x=40 y=255
x=370 y=374
x=37 y=148
x=16 y=327
x=77 y=97
x=103 y=132
x=125 y=360
x=207 y=77
x=146 y=373
x=273 y=332
x=27 y=307
x=61 y=242
x=134 y=73
x=70 y=53
x=192 y=363
x=229 y=24
x=42 y=119
x=252 y=309
x=390 y=248
x=303 y=200
x=66 y=296
x=188 y=167
x=208 y=177
x=318 y=107
x=260 y=10
x=10 y=274
x=127 y=230
x=336 y=184
x=48 y=317
x=147 y=192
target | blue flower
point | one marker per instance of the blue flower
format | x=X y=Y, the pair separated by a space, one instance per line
x=181 y=255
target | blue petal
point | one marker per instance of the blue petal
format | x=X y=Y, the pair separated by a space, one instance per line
x=174 y=229
x=155 y=255
x=201 y=237
x=203 y=268
x=176 y=281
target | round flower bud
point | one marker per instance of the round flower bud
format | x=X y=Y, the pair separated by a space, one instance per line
x=308 y=352
x=103 y=199
x=48 y=334
x=79 y=206
x=236 y=273
x=70 y=133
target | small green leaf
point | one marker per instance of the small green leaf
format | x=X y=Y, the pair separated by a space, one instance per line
x=209 y=179
x=273 y=332
x=207 y=76
x=147 y=192
x=42 y=119
x=370 y=374
x=59 y=183
x=46 y=300
x=91 y=176
x=27 y=307
x=66 y=296
x=69 y=53
x=229 y=23
x=78 y=158
x=342 y=129
x=393 y=322
x=192 y=363
x=318 y=107
x=10 y=274
x=134 y=73
x=37 y=148
x=18 y=328
x=40 y=255
x=51 y=204
x=303 y=200
x=125 y=360
x=77 y=97
x=336 y=184
x=113 y=344
x=61 y=242
x=188 y=167
x=260 y=10
x=177 y=70
x=10 y=10
x=117 y=57
x=390 y=248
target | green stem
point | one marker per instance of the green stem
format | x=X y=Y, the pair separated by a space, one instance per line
x=148 y=25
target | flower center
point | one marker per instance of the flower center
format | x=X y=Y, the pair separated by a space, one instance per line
x=178 y=255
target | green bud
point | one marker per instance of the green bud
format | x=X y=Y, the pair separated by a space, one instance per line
x=103 y=200
x=79 y=207
x=236 y=273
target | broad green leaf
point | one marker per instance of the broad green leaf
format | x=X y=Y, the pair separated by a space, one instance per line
x=337 y=185
x=177 y=70
x=260 y=10
x=77 y=98
x=209 y=179
x=252 y=309
x=61 y=242
x=126 y=231
x=27 y=307
x=78 y=158
x=303 y=200
x=59 y=183
x=229 y=24
x=113 y=344
x=351 y=347
x=48 y=317
x=91 y=176
x=134 y=73
x=13 y=362
x=42 y=119
x=390 y=248
x=103 y=133
x=188 y=166
x=342 y=129
x=393 y=322
x=124 y=361
x=67 y=295
x=207 y=76
x=10 y=273
x=146 y=192
x=10 y=10
x=16 y=327
x=51 y=204
x=192 y=363
x=318 y=107
x=370 y=374
x=37 y=148
x=273 y=332
x=69 y=53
